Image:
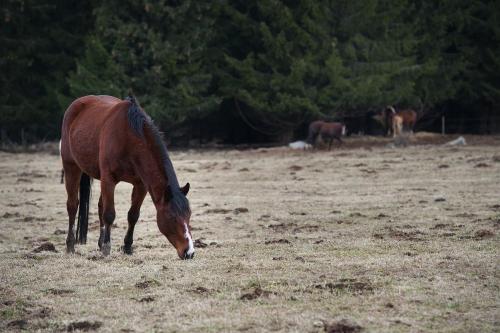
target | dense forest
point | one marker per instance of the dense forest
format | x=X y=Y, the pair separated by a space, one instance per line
x=247 y=71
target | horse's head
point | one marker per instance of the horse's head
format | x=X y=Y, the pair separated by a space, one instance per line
x=389 y=109
x=173 y=216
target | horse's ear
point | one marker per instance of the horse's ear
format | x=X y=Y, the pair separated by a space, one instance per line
x=185 y=189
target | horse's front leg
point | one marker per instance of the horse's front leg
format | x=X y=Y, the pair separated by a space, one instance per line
x=138 y=194
x=108 y=214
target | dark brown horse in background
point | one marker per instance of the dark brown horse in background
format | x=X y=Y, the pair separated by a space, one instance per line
x=327 y=131
x=407 y=118
x=114 y=140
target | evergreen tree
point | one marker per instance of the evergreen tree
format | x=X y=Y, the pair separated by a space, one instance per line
x=40 y=41
x=96 y=74
x=378 y=48
x=280 y=65
x=160 y=48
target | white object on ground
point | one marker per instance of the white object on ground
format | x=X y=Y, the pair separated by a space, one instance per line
x=299 y=145
x=460 y=141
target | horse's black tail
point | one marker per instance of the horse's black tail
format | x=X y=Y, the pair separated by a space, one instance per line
x=83 y=209
x=310 y=135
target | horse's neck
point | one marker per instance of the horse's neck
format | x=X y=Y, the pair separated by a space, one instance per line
x=152 y=174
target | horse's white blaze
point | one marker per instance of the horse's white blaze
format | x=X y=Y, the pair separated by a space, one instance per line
x=343 y=130
x=187 y=235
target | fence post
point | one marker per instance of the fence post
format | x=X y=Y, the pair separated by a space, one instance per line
x=443 y=132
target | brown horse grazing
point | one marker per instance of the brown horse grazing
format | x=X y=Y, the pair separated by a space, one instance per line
x=326 y=130
x=408 y=118
x=114 y=140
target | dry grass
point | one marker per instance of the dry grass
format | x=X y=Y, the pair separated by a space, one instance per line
x=374 y=239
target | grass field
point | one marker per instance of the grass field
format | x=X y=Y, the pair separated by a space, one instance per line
x=362 y=238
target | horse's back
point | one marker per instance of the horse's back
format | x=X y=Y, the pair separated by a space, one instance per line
x=333 y=129
x=85 y=122
x=88 y=106
x=316 y=125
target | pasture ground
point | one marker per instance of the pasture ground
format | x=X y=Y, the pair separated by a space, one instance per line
x=362 y=238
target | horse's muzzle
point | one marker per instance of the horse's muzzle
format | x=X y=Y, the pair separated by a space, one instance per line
x=187 y=255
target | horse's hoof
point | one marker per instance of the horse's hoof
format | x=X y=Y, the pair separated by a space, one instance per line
x=106 y=249
x=70 y=249
x=127 y=250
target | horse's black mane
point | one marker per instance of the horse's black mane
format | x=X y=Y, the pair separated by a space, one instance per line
x=137 y=120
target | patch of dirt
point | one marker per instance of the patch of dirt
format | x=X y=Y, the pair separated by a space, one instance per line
x=406 y=235
x=357 y=214
x=342 y=326
x=20 y=324
x=199 y=243
x=441 y=226
x=256 y=293
x=482 y=165
x=9 y=215
x=281 y=226
x=295 y=168
x=240 y=210
x=54 y=291
x=45 y=247
x=298 y=213
x=483 y=234
x=145 y=299
x=277 y=241
x=201 y=290
x=306 y=228
x=83 y=325
x=217 y=211
x=349 y=285
x=264 y=217
x=96 y=257
x=40 y=312
x=147 y=284
x=495 y=207
x=32 y=174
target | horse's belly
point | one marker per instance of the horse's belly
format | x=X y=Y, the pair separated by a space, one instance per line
x=84 y=145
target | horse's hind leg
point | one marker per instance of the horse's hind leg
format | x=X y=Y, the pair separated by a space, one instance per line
x=72 y=176
x=101 y=223
x=138 y=195
x=108 y=214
